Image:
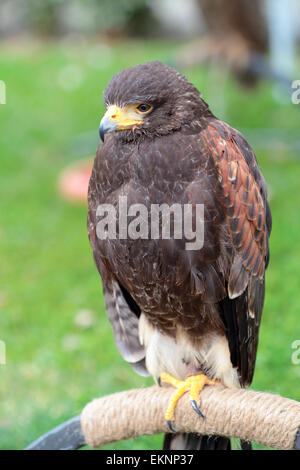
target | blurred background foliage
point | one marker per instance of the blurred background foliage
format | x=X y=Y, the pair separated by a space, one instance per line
x=56 y=58
x=58 y=17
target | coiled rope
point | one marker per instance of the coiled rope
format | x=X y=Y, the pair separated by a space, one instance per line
x=265 y=418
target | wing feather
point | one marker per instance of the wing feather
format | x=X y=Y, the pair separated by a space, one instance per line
x=248 y=220
x=122 y=310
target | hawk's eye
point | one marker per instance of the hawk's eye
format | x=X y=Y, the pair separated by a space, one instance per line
x=143 y=108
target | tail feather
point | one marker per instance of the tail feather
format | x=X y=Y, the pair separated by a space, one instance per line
x=195 y=442
x=198 y=442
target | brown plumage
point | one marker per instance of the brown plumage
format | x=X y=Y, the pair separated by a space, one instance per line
x=170 y=307
x=236 y=35
x=243 y=17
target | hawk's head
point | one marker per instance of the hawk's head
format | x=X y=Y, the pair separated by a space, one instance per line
x=151 y=99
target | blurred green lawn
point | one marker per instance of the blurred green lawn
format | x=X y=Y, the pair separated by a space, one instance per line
x=55 y=365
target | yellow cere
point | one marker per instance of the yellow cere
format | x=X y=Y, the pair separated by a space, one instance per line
x=124 y=117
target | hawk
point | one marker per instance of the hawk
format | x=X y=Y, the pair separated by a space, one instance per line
x=237 y=35
x=187 y=316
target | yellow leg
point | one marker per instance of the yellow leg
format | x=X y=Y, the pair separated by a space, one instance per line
x=194 y=384
x=169 y=379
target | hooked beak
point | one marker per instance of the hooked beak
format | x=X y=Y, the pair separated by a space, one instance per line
x=106 y=125
x=117 y=118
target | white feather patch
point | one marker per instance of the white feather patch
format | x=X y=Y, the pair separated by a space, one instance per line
x=168 y=354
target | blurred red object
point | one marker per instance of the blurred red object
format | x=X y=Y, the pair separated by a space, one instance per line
x=74 y=181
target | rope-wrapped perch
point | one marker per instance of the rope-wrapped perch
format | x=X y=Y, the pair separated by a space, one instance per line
x=265 y=418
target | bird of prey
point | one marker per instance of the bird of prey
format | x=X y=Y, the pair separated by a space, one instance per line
x=237 y=35
x=187 y=316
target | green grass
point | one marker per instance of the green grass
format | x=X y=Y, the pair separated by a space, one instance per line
x=54 y=367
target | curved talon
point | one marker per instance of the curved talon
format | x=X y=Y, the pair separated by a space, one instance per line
x=170 y=426
x=193 y=384
x=159 y=382
x=196 y=408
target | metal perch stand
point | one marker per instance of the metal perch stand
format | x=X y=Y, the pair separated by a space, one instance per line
x=265 y=418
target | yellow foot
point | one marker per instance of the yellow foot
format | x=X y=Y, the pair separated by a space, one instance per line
x=194 y=384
